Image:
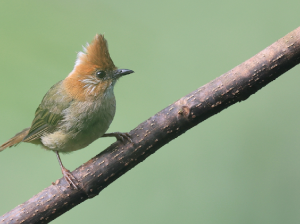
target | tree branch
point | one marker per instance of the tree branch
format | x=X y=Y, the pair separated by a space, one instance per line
x=96 y=174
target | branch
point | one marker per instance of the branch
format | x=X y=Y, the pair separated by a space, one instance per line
x=96 y=174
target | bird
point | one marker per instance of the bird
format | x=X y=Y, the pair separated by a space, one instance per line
x=79 y=109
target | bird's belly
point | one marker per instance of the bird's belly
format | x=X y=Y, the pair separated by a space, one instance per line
x=87 y=136
x=67 y=142
x=80 y=132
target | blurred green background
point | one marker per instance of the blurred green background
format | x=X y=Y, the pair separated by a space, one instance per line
x=240 y=166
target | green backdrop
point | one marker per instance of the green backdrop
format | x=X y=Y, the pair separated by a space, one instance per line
x=240 y=166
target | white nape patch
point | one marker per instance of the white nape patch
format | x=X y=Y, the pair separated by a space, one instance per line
x=87 y=45
x=91 y=83
x=79 y=55
x=78 y=61
x=85 y=48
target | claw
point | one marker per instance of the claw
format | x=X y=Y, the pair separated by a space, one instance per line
x=67 y=174
x=120 y=136
x=69 y=177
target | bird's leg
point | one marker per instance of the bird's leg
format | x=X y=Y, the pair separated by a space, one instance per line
x=120 y=136
x=66 y=173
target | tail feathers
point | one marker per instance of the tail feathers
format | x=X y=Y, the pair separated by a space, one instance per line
x=15 y=140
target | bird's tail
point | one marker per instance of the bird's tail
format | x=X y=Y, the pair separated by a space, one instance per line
x=15 y=140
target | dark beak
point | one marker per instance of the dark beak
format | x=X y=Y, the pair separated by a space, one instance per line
x=122 y=72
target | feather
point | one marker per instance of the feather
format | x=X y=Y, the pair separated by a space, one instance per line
x=96 y=54
x=15 y=140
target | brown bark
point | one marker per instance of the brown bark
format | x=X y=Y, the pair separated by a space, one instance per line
x=96 y=174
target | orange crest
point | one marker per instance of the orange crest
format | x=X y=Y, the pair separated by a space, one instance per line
x=96 y=54
x=95 y=57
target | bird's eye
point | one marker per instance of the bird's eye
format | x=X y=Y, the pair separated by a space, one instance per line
x=100 y=74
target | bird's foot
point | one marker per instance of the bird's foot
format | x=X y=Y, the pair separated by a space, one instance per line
x=69 y=177
x=120 y=136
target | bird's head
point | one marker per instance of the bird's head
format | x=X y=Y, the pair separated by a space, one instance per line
x=94 y=72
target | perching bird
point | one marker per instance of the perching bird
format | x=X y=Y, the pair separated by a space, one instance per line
x=79 y=109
